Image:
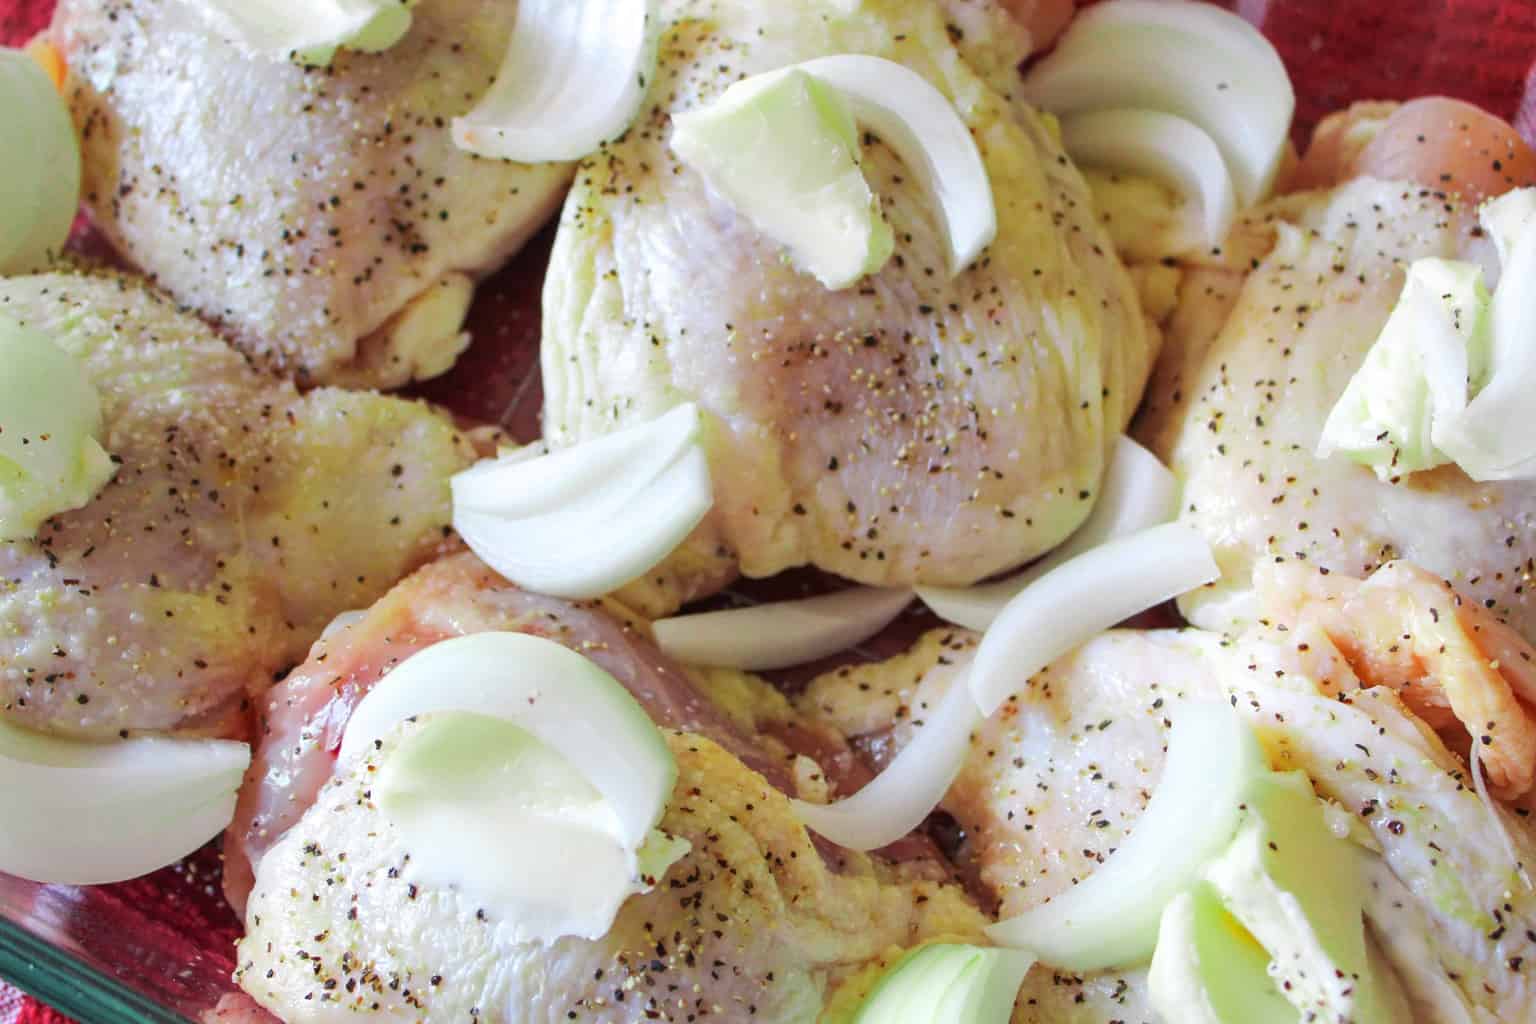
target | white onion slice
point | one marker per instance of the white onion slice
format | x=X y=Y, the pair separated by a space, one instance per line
x=1110 y=919
x=921 y=126
x=310 y=29
x=1161 y=146
x=897 y=800
x=1189 y=59
x=1138 y=491
x=1081 y=599
x=1489 y=439
x=78 y=813
x=575 y=74
x=565 y=700
x=783 y=633
x=583 y=521
x=41 y=160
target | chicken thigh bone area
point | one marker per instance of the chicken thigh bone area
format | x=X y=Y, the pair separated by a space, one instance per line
x=844 y=425
x=242 y=517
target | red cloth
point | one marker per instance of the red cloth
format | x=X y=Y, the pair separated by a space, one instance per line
x=1336 y=50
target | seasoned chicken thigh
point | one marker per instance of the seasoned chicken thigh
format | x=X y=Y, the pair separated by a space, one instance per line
x=1059 y=777
x=916 y=427
x=751 y=924
x=322 y=215
x=243 y=516
x=1255 y=364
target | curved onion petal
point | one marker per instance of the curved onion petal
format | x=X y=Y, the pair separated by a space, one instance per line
x=41 y=160
x=1170 y=149
x=1189 y=59
x=920 y=124
x=781 y=634
x=1138 y=492
x=1488 y=439
x=1082 y=598
x=573 y=78
x=79 y=813
x=898 y=799
x=1111 y=918
x=565 y=700
x=310 y=29
x=51 y=458
x=583 y=521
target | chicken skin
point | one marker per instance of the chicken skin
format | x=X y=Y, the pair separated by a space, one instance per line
x=753 y=923
x=916 y=427
x=243 y=516
x=1255 y=363
x=1059 y=777
x=323 y=216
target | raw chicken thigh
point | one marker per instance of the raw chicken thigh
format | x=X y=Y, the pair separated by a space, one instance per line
x=1255 y=364
x=1056 y=781
x=243 y=517
x=323 y=216
x=913 y=428
x=752 y=924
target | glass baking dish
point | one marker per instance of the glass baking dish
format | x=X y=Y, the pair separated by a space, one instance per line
x=159 y=950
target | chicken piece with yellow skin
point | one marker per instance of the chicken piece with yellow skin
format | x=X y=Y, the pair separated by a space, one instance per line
x=756 y=922
x=323 y=216
x=915 y=427
x=1270 y=330
x=242 y=517
x=751 y=924
x=1058 y=778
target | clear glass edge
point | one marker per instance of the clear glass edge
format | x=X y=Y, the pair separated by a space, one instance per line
x=69 y=985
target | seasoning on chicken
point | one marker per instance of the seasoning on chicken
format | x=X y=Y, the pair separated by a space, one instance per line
x=1059 y=777
x=322 y=216
x=243 y=516
x=752 y=923
x=914 y=427
x=1256 y=360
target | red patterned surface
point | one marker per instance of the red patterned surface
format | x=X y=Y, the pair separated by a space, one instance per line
x=1337 y=50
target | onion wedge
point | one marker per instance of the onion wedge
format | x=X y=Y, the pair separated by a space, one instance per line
x=897 y=800
x=78 y=813
x=1188 y=59
x=1082 y=598
x=1160 y=146
x=1059 y=612
x=565 y=700
x=1111 y=918
x=575 y=74
x=583 y=521
x=920 y=124
x=1138 y=492
x=781 y=634
x=42 y=166
x=310 y=30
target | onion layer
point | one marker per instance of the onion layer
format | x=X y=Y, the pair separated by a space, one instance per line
x=310 y=30
x=1111 y=918
x=1082 y=598
x=575 y=74
x=88 y=814
x=1160 y=146
x=1192 y=60
x=583 y=521
x=565 y=700
x=781 y=634
x=1138 y=491
x=897 y=800
x=41 y=158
